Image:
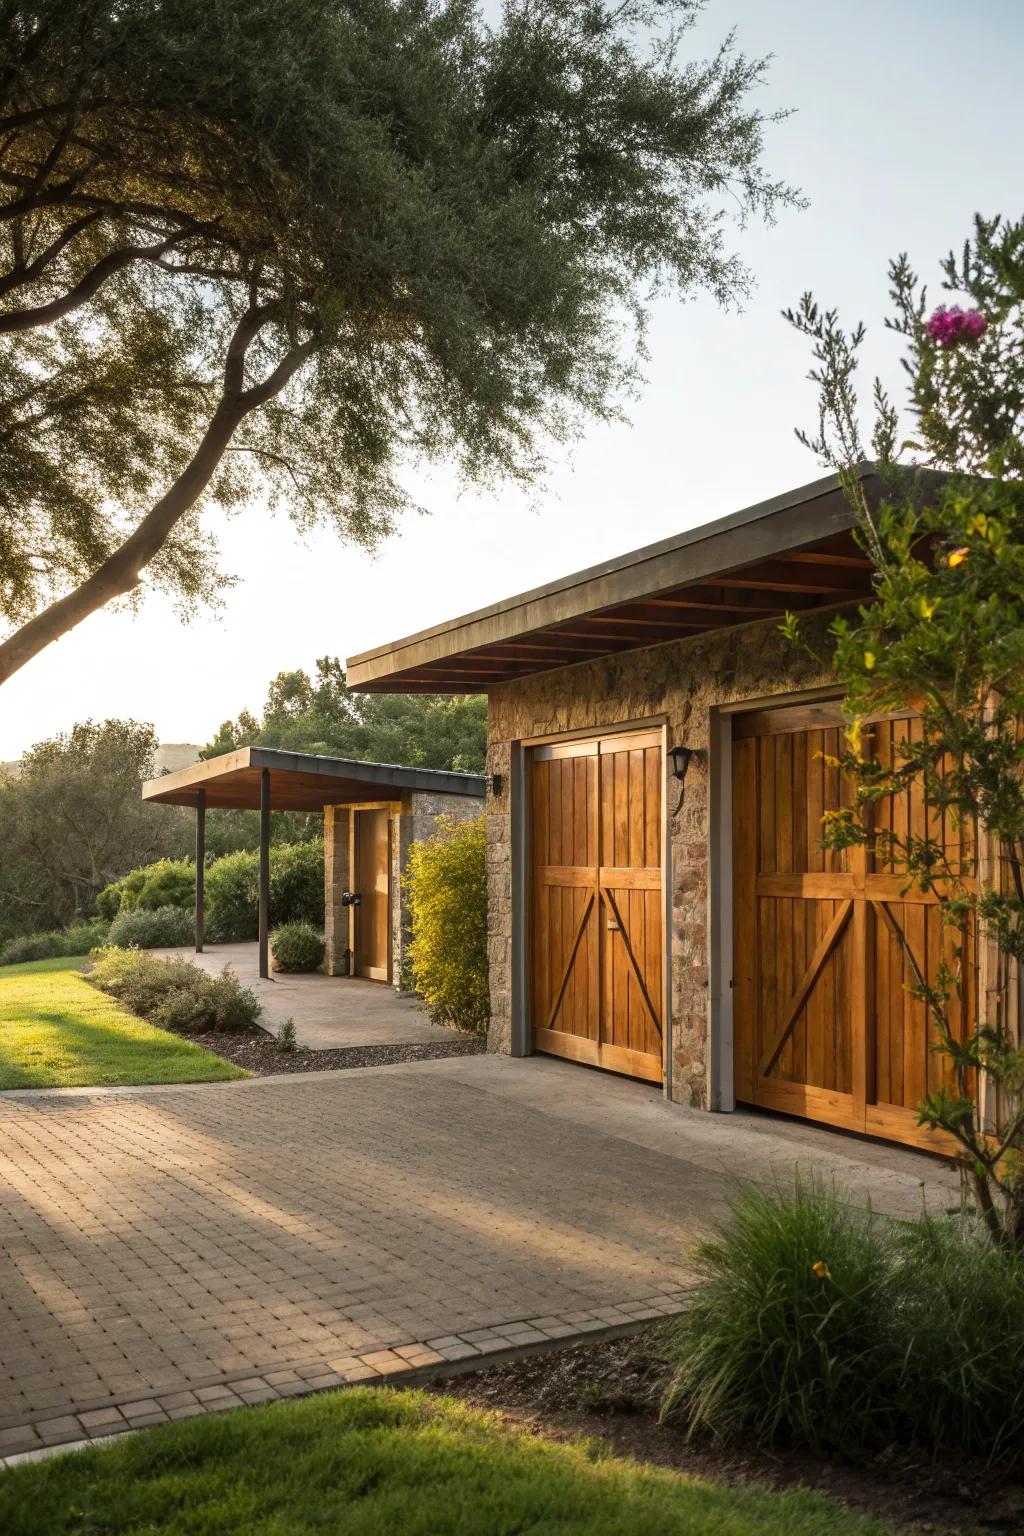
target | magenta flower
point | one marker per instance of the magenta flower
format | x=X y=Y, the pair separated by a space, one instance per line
x=950 y=326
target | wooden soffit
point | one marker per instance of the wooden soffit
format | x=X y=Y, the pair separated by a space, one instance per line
x=299 y=781
x=796 y=552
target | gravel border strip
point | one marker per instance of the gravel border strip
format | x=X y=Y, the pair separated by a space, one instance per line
x=262 y=1056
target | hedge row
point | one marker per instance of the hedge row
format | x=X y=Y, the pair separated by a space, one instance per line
x=76 y=940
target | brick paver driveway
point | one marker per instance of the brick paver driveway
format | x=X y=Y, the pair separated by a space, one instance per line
x=166 y=1250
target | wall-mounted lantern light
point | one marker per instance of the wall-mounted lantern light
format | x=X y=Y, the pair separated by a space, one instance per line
x=681 y=758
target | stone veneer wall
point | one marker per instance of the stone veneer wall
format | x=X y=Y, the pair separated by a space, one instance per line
x=682 y=680
x=335 y=881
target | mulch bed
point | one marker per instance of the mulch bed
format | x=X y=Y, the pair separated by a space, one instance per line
x=259 y=1053
x=611 y=1390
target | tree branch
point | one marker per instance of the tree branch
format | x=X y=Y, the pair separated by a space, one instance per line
x=23 y=273
x=83 y=291
x=121 y=571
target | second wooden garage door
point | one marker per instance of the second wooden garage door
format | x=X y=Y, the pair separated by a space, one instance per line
x=596 y=911
x=826 y=1021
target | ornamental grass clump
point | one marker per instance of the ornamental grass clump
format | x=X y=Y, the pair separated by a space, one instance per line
x=787 y=1337
x=960 y=1317
x=817 y=1324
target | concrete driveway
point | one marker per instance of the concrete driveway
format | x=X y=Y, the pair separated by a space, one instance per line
x=174 y=1250
x=329 y=1012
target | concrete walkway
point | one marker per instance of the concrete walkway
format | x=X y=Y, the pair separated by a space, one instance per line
x=168 y=1251
x=329 y=1011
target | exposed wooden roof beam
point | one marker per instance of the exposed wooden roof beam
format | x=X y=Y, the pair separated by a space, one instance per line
x=778 y=576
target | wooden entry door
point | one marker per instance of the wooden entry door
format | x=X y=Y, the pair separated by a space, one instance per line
x=825 y=1025
x=597 y=917
x=373 y=883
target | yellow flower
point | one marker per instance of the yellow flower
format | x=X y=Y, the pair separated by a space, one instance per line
x=821 y=1269
x=869 y=659
x=958 y=556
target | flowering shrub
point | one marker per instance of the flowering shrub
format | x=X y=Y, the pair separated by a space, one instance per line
x=943 y=638
x=949 y=326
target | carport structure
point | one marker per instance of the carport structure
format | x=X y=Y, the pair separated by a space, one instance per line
x=372 y=813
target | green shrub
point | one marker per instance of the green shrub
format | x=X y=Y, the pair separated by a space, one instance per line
x=209 y=1003
x=232 y=898
x=287 y=1038
x=296 y=890
x=297 y=883
x=142 y=982
x=76 y=940
x=81 y=937
x=169 y=883
x=164 y=883
x=446 y=887
x=165 y=928
x=121 y=895
x=818 y=1325
x=174 y=993
x=296 y=947
x=232 y=890
x=960 y=1311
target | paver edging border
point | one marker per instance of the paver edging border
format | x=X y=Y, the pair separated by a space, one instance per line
x=404 y=1365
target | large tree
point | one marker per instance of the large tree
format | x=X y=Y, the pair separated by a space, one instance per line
x=319 y=714
x=287 y=246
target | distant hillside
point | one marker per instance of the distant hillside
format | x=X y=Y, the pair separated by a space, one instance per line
x=170 y=756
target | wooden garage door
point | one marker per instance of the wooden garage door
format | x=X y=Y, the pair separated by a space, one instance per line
x=825 y=1024
x=596 y=913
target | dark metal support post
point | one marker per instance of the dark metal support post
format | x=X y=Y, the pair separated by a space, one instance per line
x=200 y=868
x=264 y=924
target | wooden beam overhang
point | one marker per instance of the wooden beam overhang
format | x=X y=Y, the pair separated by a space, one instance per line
x=796 y=551
x=298 y=781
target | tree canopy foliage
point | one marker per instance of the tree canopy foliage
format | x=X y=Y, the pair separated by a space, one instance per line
x=282 y=250
x=72 y=820
x=319 y=714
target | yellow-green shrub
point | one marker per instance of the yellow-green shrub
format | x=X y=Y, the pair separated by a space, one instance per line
x=446 y=889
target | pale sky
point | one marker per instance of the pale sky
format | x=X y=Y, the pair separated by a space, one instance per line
x=907 y=120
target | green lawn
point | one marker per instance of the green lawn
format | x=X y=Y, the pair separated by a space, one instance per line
x=56 y=1031
x=374 y=1462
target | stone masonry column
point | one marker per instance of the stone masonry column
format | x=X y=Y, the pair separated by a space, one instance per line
x=336 y=879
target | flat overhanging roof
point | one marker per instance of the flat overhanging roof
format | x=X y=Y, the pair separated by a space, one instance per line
x=796 y=552
x=299 y=781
